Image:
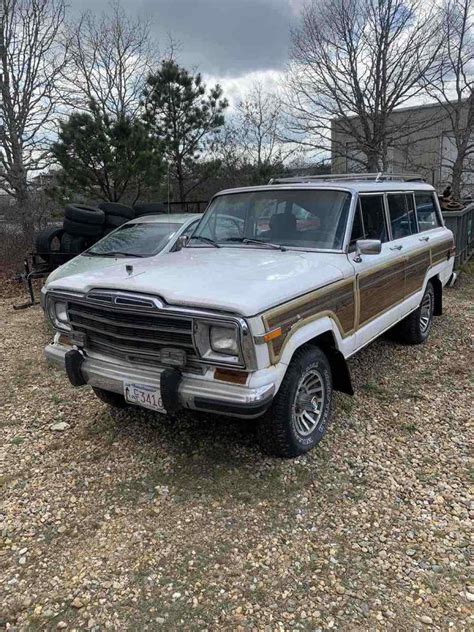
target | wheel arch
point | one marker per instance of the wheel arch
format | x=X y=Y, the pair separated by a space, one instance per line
x=327 y=337
x=438 y=294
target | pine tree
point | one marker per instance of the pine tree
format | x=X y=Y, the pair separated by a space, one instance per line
x=105 y=157
x=181 y=113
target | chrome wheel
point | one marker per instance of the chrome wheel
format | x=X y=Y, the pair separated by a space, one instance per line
x=309 y=402
x=426 y=311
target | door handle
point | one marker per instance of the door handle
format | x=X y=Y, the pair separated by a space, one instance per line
x=396 y=247
x=424 y=238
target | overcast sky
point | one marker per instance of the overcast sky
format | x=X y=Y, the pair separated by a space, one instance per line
x=231 y=41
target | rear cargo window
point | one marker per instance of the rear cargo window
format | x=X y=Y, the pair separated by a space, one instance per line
x=426 y=211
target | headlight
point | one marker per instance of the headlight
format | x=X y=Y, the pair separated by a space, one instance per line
x=224 y=340
x=57 y=312
x=218 y=343
x=61 y=312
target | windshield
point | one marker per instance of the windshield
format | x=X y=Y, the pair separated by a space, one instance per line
x=136 y=240
x=298 y=217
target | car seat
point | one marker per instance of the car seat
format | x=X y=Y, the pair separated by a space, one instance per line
x=282 y=226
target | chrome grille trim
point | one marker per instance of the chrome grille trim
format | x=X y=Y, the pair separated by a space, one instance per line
x=119 y=331
x=166 y=312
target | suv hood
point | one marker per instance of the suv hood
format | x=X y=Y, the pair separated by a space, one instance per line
x=242 y=281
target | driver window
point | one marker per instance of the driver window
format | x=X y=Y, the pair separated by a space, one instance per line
x=373 y=217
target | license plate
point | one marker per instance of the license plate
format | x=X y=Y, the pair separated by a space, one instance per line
x=144 y=395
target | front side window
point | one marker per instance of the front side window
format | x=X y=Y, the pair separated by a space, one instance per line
x=426 y=211
x=402 y=214
x=369 y=220
x=135 y=240
x=302 y=218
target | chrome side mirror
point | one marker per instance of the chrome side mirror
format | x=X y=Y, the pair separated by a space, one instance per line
x=367 y=247
x=181 y=242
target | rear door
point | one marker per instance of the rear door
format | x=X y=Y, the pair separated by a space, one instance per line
x=380 y=278
x=432 y=234
x=405 y=237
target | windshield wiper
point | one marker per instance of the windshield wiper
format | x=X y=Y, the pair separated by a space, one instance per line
x=207 y=240
x=247 y=240
x=113 y=254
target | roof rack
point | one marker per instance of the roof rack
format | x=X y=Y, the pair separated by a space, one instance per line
x=375 y=177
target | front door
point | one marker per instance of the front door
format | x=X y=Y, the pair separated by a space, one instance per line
x=380 y=278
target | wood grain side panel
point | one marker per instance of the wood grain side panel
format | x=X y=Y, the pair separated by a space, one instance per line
x=440 y=252
x=415 y=272
x=337 y=300
x=381 y=289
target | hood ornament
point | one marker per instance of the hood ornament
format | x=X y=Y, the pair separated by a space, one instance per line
x=129 y=268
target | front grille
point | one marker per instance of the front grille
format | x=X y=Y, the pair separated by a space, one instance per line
x=132 y=336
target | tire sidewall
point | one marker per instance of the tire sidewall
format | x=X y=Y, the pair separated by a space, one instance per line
x=116 y=209
x=313 y=359
x=81 y=213
x=82 y=229
x=423 y=335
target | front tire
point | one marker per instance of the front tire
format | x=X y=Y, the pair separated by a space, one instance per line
x=416 y=327
x=301 y=411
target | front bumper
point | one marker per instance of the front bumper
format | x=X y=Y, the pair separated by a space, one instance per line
x=187 y=392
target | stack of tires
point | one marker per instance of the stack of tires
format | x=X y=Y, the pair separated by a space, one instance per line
x=115 y=215
x=84 y=225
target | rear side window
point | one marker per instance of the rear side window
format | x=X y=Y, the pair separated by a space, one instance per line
x=373 y=217
x=426 y=211
x=402 y=214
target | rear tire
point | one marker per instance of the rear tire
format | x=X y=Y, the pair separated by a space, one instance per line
x=109 y=397
x=416 y=327
x=301 y=410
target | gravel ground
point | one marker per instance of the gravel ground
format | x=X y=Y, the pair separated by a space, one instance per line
x=129 y=521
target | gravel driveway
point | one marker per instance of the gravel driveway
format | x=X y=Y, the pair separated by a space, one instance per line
x=129 y=521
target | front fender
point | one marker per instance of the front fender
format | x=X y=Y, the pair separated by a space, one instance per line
x=308 y=332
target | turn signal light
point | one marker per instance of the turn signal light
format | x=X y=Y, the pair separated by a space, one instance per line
x=271 y=335
x=227 y=375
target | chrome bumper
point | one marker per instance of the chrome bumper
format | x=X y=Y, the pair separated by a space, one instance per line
x=192 y=393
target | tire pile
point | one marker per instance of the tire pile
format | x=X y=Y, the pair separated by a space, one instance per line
x=83 y=225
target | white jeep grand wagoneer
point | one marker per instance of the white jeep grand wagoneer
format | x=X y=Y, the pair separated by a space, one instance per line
x=256 y=316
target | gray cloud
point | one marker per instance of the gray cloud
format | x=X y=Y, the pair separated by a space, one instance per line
x=219 y=37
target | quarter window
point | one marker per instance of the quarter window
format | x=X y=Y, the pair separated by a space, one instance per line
x=402 y=214
x=426 y=211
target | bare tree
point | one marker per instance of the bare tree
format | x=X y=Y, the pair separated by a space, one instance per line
x=110 y=58
x=259 y=122
x=30 y=64
x=452 y=84
x=353 y=63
